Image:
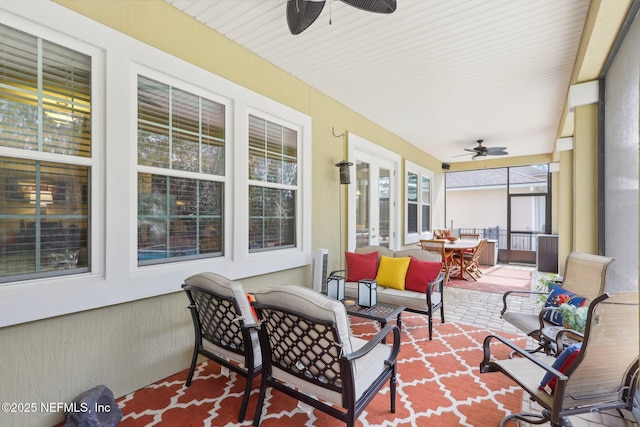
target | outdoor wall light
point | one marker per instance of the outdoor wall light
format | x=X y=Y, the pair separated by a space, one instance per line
x=345 y=177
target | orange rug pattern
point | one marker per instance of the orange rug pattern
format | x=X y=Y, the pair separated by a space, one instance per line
x=497 y=278
x=439 y=384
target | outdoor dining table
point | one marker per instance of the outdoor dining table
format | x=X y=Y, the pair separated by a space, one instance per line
x=460 y=246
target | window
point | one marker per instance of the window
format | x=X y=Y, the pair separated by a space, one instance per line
x=418 y=202
x=181 y=169
x=129 y=166
x=273 y=181
x=45 y=157
x=425 y=204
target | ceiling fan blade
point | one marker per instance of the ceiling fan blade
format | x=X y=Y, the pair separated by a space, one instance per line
x=470 y=150
x=302 y=13
x=377 y=6
x=497 y=153
x=495 y=149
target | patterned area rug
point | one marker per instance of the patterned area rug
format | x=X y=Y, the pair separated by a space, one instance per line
x=439 y=384
x=497 y=278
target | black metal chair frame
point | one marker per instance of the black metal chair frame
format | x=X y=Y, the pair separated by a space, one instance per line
x=218 y=319
x=438 y=282
x=431 y=307
x=320 y=338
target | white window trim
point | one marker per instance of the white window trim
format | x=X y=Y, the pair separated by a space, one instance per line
x=115 y=277
x=410 y=167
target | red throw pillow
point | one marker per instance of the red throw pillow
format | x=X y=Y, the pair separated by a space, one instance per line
x=562 y=364
x=420 y=274
x=361 y=266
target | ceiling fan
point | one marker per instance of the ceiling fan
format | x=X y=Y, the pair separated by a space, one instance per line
x=482 y=151
x=302 y=13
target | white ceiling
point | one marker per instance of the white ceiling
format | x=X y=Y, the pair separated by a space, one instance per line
x=439 y=74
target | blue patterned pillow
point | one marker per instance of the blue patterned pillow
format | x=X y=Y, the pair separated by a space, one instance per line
x=559 y=296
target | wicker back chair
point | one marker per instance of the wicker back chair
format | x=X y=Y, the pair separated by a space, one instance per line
x=602 y=376
x=225 y=328
x=585 y=275
x=309 y=353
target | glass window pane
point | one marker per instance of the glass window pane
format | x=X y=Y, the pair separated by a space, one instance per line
x=412 y=218
x=529 y=179
x=153 y=145
x=425 y=196
x=362 y=203
x=44 y=219
x=272 y=219
x=426 y=218
x=45 y=84
x=178 y=217
x=179 y=130
x=272 y=152
x=412 y=187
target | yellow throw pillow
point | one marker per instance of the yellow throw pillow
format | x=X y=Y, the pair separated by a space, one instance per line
x=392 y=272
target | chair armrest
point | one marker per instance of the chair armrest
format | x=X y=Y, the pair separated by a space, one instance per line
x=488 y=366
x=432 y=286
x=517 y=293
x=437 y=281
x=377 y=339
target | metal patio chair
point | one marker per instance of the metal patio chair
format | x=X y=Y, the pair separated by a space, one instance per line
x=602 y=376
x=224 y=328
x=585 y=275
x=310 y=354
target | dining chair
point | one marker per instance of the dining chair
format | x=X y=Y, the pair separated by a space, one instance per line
x=469 y=261
x=225 y=328
x=470 y=236
x=437 y=246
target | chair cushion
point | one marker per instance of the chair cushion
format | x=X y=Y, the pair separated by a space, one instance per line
x=419 y=254
x=309 y=302
x=223 y=286
x=367 y=368
x=392 y=272
x=420 y=274
x=557 y=297
x=374 y=248
x=361 y=266
x=562 y=364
